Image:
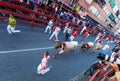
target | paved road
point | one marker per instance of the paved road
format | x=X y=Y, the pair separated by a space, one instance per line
x=21 y=53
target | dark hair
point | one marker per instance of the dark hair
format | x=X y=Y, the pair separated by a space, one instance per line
x=46 y=53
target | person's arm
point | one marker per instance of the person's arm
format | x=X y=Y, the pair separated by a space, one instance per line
x=117 y=71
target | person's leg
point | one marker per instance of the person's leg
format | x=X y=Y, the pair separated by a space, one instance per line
x=9 y=29
x=82 y=31
x=65 y=29
x=96 y=38
x=14 y=31
x=66 y=37
x=71 y=38
x=56 y=36
x=52 y=35
x=50 y=29
x=39 y=69
x=46 y=29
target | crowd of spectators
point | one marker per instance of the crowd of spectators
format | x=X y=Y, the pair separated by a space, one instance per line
x=54 y=9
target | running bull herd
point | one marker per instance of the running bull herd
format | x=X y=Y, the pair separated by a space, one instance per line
x=72 y=45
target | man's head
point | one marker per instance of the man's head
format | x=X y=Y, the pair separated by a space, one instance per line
x=46 y=54
x=11 y=15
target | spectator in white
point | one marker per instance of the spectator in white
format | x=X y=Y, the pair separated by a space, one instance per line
x=56 y=31
x=44 y=63
x=12 y=25
x=98 y=36
x=73 y=19
x=84 y=28
x=49 y=26
x=66 y=26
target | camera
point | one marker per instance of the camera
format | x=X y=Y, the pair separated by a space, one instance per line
x=103 y=56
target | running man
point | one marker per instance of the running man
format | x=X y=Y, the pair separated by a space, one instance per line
x=55 y=32
x=49 y=26
x=11 y=25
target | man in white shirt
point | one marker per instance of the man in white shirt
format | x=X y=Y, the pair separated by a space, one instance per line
x=55 y=32
x=49 y=26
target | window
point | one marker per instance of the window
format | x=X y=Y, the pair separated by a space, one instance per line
x=112 y=3
x=117 y=13
x=89 y=1
x=115 y=9
x=112 y=17
x=94 y=11
x=106 y=21
x=101 y=3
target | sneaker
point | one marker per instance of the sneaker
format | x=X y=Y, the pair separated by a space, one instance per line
x=49 y=39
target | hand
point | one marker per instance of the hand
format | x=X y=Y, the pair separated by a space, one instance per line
x=114 y=66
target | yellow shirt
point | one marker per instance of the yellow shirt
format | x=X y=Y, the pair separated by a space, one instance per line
x=12 y=22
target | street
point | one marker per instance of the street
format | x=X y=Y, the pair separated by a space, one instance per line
x=21 y=53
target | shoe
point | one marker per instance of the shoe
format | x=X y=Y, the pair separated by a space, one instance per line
x=10 y=33
x=50 y=39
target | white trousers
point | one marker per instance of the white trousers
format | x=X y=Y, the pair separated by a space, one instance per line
x=82 y=30
x=96 y=38
x=42 y=71
x=11 y=30
x=48 y=28
x=71 y=38
x=38 y=68
x=65 y=29
x=54 y=34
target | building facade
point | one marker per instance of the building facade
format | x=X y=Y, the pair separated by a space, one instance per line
x=105 y=12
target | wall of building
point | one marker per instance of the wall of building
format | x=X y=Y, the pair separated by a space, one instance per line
x=86 y=6
x=103 y=14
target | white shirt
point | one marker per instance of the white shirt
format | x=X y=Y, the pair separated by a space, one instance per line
x=57 y=30
x=50 y=23
x=44 y=61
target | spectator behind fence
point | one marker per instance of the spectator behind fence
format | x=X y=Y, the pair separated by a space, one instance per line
x=97 y=65
x=116 y=77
